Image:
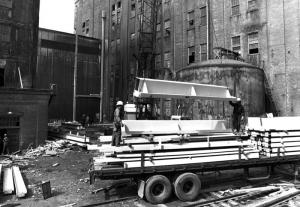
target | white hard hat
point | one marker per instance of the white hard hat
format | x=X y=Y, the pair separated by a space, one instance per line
x=238 y=99
x=120 y=103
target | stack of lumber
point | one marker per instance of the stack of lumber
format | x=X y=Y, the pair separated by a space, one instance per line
x=13 y=181
x=174 y=143
x=278 y=136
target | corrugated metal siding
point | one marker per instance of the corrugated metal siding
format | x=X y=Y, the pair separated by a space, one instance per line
x=56 y=66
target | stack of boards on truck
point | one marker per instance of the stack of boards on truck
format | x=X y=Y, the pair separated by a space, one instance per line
x=148 y=143
x=164 y=156
x=275 y=137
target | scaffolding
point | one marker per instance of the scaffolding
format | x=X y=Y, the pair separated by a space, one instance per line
x=147 y=37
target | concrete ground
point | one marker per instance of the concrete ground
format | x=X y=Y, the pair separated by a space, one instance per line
x=69 y=179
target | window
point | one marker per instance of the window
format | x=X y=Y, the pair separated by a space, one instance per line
x=132 y=36
x=167 y=27
x=132 y=12
x=235 y=7
x=158 y=27
x=253 y=43
x=167 y=62
x=119 y=4
x=191 y=18
x=203 y=52
x=252 y=4
x=236 y=44
x=191 y=37
x=167 y=24
x=157 y=61
x=191 y=54
x=113 y=7
x=1 y=77
x=203 y=19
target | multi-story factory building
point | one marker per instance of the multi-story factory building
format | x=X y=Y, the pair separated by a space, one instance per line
x=188 y=40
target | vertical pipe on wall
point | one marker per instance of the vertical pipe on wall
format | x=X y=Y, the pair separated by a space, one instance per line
x=207 y=29
x=75 y=76
x=103 y=16
x=285 y=57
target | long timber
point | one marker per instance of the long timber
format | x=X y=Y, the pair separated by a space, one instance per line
x=116 y=172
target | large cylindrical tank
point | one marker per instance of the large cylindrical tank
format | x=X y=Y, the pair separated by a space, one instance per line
x=243 y=80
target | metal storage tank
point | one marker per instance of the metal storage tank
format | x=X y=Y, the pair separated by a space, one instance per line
x=243 y=80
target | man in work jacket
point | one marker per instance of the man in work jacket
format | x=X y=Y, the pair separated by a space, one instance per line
x=237 y=115
x=118 y=116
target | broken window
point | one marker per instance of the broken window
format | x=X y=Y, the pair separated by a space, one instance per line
x=132 y=36
x=235 y=7
x=167 y=27
x=236 y=44
x=203 y=52
x=191 y=18
x=132 y=14
x=119 y=4
x=1 y=77
x=253 y=43
x=203 y=20
x=191 y=54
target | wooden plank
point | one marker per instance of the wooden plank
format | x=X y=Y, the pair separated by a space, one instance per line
x=281 y=154
x=184 y=152
x=283 y=149
x=8 y=183
x=77 y=138
x=173 y=126
x=171 y=146
x=282 y=144
x=21 y=190
x=101 y=161
x=189 y=160
x=282 y=140
x=117 y=159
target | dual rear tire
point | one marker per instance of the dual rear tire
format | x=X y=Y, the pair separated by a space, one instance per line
x=158 y=188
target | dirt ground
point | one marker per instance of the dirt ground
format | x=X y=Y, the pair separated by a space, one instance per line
x=69 y=178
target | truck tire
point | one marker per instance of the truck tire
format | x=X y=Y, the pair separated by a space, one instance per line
x=158 y=189
x=187 y=186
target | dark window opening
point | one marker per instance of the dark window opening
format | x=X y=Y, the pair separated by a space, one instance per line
x=191 y=51
x=119 y=4
x=113 y=7
x=132 y=6
x=1 y=77
x=253 y=48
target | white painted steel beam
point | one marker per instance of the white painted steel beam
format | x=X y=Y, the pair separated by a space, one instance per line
x=152 y=88
x=173 y=126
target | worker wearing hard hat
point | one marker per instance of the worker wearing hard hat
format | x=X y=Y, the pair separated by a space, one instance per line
x=237 y=115
x=118 y=116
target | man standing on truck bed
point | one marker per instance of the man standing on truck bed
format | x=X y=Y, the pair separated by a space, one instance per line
x=118 y=116
x=237 y=115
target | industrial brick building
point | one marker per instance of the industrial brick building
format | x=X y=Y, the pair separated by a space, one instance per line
x=23 y=106
x=265 y=34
